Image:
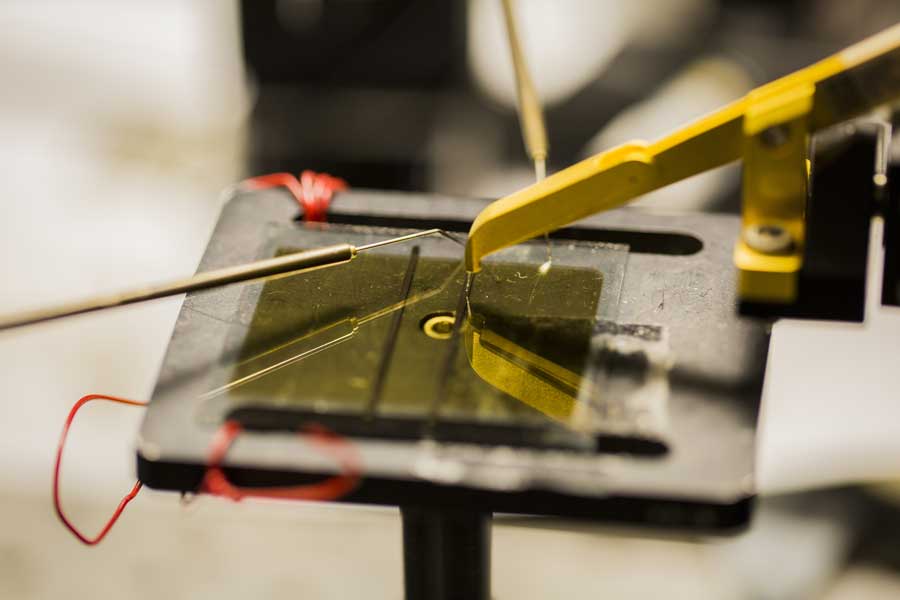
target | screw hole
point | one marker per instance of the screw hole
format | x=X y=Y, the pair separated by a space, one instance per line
x=438 y=326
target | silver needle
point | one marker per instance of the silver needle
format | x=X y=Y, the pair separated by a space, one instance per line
x=297 y=262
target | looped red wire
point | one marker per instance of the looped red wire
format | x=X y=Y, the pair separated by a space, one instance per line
x=57 y=504
x=215 y=482
x=313 y=191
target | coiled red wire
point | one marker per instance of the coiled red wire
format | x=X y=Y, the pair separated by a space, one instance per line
x=214 y=480
x=313 y=191
x=57 y=504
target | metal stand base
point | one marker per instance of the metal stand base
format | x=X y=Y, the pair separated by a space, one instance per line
x=446 y=554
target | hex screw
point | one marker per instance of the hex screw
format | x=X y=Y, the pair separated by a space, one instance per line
x=768 y=238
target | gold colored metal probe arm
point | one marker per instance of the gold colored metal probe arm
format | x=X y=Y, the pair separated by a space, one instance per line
x=768 y=128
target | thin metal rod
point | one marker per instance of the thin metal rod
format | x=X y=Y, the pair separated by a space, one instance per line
x=531 y=117
x=411 y=236
x=298 y=262
x=540 y=169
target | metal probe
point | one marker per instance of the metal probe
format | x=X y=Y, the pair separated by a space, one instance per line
x=297 y=262
x=531 y=117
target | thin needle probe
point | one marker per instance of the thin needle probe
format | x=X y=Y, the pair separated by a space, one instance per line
x=297 y=262
x=531 y=117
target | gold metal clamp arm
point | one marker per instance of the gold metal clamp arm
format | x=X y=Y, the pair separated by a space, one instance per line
x=768 y=129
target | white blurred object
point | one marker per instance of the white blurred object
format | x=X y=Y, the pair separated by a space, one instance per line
x=500 y=182
x=164 y=61
x=831 y=409
x=700 y=88
x=568 y=43
x=793 y=549
x=865 y=581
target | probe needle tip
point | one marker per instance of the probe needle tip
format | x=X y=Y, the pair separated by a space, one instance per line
x=540 y=169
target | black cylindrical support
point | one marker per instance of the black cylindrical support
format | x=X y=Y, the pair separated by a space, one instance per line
x=446 y=554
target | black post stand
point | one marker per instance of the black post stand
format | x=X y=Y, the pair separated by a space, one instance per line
x=446 y=554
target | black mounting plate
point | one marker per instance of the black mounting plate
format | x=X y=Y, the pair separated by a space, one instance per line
x=679 y=276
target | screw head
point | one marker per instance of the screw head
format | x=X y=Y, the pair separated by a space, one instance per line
x=768 y=238
x=775 y=136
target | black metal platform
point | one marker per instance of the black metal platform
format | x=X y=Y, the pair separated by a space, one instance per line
x=679 y=278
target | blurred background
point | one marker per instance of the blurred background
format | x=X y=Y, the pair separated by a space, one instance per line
x=121 y=124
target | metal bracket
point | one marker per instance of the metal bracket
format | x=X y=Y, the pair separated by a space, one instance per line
x=776 y=152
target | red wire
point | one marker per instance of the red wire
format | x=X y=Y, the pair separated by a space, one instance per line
x=57 y=504
x=215 y=481
x=313 y=191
